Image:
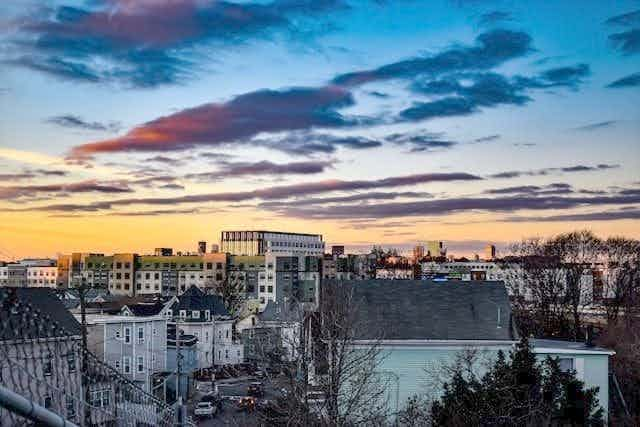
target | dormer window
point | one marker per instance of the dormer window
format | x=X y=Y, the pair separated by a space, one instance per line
x=183 y=314
x=207 y=314
x=195 y=314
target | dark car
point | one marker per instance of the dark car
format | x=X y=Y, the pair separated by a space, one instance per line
x=255 y=389
x=247 y=404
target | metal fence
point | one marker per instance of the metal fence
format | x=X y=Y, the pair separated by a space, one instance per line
x=47 y=377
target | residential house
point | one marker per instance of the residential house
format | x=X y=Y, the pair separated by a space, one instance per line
x=423 y=325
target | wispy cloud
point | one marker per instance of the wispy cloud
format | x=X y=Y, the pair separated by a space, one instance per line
x=596 y=126
x=558 y=170
x=17 y=191
x=627 y=41
x=267 y=193
x=241 y=169
x=76 y=122
x=632 y=80
x=492 y=18
x=146 y=43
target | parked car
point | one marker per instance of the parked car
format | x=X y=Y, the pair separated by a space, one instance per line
x=255 y=389
x=247 y=404
x=205 y=410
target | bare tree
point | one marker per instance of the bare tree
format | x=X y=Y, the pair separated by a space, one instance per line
x=620 y=258
x=327 y=379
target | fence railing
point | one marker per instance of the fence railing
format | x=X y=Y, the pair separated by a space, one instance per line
x=44 y=364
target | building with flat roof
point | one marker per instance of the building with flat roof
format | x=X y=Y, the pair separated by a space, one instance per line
x=256 y=243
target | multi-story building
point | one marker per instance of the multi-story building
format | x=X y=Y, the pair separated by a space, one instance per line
x=248 y=273
x=205 y=317
x=489 y=252
x=252 y=243
x=337 y=250
x=418 y=253
x=42 y=273
x=461 y=270
x=435 y=248
x=39 y=361
x=135 y=346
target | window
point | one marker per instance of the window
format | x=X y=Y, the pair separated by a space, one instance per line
x=226 y=353
x=71 y=407
x=71 y=360
x=140 y=363
x=140 y=335
x=206 y=336
x=100 y=398
x=183 y=313
x=117 y=365
x=155 y=332
x=270 y=289
x=118 y=336
x=207 y=314
x=127 y=335
x=47 y=365
x=261 y=288
x=566 y=364
x=126 y=363
x=47 y=402
x=195 y=314
x=226 y=333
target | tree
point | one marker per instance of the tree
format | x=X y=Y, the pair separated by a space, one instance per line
x=231 y=291
x=518 y=391
x=331 y=381
x=620 y=258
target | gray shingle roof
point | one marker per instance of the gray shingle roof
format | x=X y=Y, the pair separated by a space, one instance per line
x=427 y=310
x=281 y=312
x=194 y=299
x=48 y=311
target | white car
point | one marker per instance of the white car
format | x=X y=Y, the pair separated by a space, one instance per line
x=205 y=409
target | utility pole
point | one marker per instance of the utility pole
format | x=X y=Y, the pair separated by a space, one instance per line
x=179 y=364
x=82 y=289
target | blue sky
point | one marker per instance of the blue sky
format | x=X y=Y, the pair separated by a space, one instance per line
x=503 y=119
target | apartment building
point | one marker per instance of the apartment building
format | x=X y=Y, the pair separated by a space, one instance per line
x=135 y=346
x=42 y=273
x=252 y=243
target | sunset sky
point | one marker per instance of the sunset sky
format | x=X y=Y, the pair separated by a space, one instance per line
x=131 y=124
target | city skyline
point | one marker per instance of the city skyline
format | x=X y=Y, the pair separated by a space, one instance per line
x=129 y=125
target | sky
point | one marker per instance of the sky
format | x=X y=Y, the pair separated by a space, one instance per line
x=132 y=124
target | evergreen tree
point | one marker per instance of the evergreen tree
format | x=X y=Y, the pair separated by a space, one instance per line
x=520 y=391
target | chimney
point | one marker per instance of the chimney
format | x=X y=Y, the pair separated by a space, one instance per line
x=588 y=336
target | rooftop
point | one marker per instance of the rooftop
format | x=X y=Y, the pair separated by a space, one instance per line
x=557 y=346
x=427 y=310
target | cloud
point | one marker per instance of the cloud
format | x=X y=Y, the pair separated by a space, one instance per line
x=268 y=193
x=31 y=173
x=548 y=171
x=486 y=90
x=627 y=42
x=490 y=19
x=347 y=199
x=454 y=205
x=492 y=48
x=592 y=216
x=71 y=121
x=240 y=169
x=596 y=126
x=555 y=188
x=172 y=186
x=625 y=20
x=631 y=80
x=421 y=141
x=17 y=191
x=488 y=138
x=242 y=117
x=308 y=142
x=147 y=43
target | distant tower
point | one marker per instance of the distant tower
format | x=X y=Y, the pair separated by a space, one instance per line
x=489 y=252
x=418 y=253
x=202 y=247
x=435 y=248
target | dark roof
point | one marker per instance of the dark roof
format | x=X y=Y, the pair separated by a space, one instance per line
x=281 y=312
x=194 y=299
x=48 y=317
x=146 y=308
x=427 y=310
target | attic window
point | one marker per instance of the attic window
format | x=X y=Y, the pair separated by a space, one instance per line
x=195 y=314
